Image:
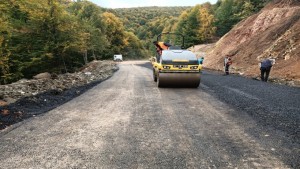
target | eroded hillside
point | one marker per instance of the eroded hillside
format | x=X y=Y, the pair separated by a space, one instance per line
x=274 y=31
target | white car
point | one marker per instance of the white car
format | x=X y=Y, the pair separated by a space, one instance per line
x=118 y=58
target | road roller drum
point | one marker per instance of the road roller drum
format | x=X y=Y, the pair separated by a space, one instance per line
x=178 y=80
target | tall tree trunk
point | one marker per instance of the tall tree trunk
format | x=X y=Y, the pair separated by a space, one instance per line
x=85 y=57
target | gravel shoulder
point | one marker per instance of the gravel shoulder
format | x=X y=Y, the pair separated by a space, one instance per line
x=29 y=98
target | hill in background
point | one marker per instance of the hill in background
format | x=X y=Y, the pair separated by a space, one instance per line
x=274 y=31
x=147 y=22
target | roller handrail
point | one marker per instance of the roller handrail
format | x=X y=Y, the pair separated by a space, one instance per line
x=164 y=33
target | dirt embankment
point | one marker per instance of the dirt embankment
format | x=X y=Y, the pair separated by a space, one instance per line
x=274 y=31
x=27 y=98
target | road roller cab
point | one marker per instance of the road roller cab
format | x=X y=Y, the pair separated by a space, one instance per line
x=176 y=67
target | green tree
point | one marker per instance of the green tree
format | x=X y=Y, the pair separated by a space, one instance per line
x=48 y=36
x=193 y=25
x=147 y=22
x=230 y=12
x=247 y=10
x=258 y=4
x=133 y=47
x=206 y=30
x=42 y=36
x=115 y=34
x=5 y=53
x=182 y=26
x=225 y=17
x=10 y=16
x=196 y=25
x=91 y=29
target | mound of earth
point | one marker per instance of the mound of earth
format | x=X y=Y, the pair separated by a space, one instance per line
x=28 y=98
x=273 y=32
x=202 y=50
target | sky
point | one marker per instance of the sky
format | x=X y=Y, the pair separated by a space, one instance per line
x=142 y=3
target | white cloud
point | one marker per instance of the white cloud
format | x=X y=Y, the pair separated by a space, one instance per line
x=118 y=4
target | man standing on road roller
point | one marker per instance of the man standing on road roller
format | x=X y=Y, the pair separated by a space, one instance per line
x=161 y=46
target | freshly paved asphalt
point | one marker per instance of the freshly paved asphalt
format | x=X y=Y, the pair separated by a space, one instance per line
x=127 y=122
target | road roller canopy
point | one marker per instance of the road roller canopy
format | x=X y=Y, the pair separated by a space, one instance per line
x=178 y=56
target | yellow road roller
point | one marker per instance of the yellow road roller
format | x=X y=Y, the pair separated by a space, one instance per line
x=176 y=67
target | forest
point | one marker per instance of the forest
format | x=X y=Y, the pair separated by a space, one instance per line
x=59 y=36
x=203 y=23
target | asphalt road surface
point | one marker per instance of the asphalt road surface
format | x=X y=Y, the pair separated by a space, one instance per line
x=127 y=122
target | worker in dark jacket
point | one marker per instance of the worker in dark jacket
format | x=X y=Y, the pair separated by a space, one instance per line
x=265 y=68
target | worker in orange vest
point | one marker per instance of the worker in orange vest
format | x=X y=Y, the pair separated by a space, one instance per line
x=227 y=63
x=161 y=46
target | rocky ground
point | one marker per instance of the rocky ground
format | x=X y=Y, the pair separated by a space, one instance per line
x=275 y=77
x=28 y=98
x=273 y=32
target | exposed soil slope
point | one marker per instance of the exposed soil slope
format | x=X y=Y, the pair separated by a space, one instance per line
x=274 y=31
